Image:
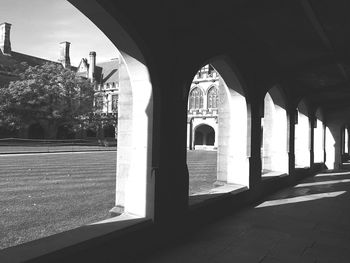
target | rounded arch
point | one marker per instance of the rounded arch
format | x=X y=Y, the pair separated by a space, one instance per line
x=204 y=134
x=302 y=135
x=134 y=184
x=275 y=133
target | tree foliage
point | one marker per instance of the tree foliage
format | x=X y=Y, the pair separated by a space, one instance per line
x=48 y=94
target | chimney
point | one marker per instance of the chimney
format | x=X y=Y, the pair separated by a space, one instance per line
x=92 y=66
x=5 y=44
x=64 y=54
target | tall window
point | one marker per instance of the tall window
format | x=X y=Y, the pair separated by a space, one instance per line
x=114 y=102
x=213 y=98
x=196 y=98
x=99 y=102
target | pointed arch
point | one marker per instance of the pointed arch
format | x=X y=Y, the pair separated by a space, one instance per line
x=275 y=133
x=319 y=136
x=213 y=97
x=302 y=135
x=196 y=98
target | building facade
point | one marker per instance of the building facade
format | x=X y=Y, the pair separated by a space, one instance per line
x=202 y=113
x=104 y=75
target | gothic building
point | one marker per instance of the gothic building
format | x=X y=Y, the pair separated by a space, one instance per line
x=285 y=69
x=104 y=75
x=203 y=108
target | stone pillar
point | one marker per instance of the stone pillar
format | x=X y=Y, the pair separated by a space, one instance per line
x=312 y=139
x=188 y=141
x=135 y=176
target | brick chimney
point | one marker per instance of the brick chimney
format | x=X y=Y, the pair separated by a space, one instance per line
x=5 y=44
x=92 y=66
x=64 y=54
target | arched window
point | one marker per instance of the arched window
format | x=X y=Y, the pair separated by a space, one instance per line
x=213 y=98
x=196 y=98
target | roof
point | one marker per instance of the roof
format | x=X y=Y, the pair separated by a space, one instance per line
x=10 y=63
x=107 y=71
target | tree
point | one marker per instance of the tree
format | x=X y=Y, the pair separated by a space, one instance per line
x=50 y=95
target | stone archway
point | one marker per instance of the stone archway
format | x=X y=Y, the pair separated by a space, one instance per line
x=302 y=136
x=204 y=136
x=275 y=134
x=134 y=183
x=319 y=137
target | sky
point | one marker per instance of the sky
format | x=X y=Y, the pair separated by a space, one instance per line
x=38 y=26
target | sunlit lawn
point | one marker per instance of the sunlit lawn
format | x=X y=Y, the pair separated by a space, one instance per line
x=202 y=170
x=44 y=194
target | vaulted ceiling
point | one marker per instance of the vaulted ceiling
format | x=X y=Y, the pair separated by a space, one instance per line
x=305 y=42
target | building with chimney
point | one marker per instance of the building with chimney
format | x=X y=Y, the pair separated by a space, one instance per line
x=105 y=75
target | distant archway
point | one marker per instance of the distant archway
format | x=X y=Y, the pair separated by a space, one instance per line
x=204 y=135
x=218 y=121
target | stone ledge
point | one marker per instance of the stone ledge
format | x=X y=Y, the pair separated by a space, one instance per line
x=76 y=237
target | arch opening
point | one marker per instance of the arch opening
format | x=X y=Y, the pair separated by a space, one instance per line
x=221 y=126
x=319 y=137
x=275 y=135
x=204 y=137
x=302 y=136
x=125 y=184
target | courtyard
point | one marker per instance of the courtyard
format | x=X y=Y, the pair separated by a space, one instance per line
x=44 y=191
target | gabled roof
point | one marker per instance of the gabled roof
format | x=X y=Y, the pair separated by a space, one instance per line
x=107 y=71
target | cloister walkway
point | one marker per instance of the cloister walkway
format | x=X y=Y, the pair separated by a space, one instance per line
x=309 y=222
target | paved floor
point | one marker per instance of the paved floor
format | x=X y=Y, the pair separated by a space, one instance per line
x=306 y=223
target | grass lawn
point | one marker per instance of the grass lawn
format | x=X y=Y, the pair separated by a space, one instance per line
x=202 y=170
x=44 y=194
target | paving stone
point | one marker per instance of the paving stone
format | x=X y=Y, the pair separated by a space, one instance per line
x=312 y=231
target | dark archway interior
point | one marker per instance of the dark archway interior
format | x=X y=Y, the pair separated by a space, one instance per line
x=204 y=135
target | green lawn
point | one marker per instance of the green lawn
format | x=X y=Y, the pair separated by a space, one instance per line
x=44 y=194
x=202 y=170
